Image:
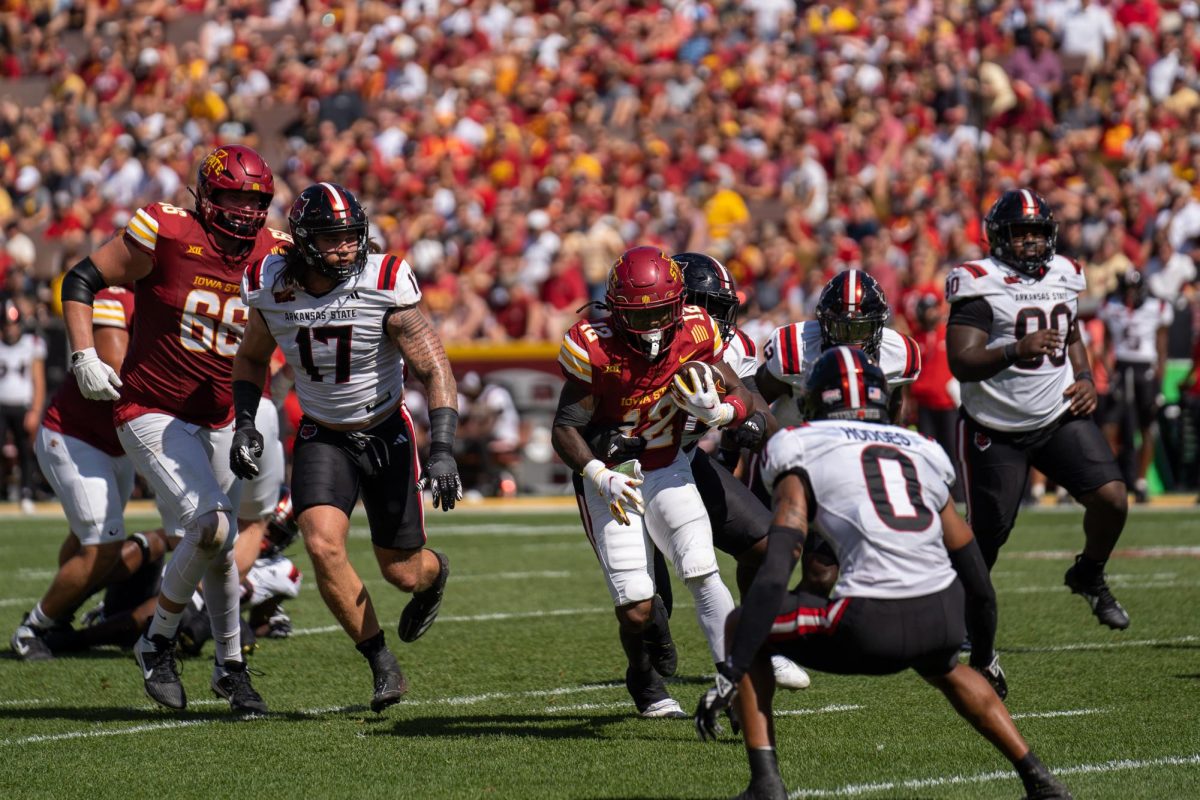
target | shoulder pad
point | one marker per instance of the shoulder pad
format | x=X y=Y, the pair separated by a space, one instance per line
x=971 y=279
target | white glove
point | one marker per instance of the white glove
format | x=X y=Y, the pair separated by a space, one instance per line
x=97 y=380
x=618 y=488
x=701 y=401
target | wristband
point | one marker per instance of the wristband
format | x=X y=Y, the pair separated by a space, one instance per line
x=246 y=397
x=1010 y=352
x=739 y=409
x=442 y=424
x=1084 y=375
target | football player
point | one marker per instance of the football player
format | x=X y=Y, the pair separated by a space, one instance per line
x=1013 y=342
x=22 y=390
x=880 y=495
x=173 y=406
x=1137 y=328
x=852 y=310
x=82 y=459
x=348 y=323
x=739 y=520
x=620 y=372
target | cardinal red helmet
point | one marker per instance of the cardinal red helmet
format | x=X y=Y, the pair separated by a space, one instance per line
x=645 y=297
x=233 y=168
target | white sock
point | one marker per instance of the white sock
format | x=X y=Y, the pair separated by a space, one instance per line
x=713 y=606
x=184 y=571
x=164 y=623
x=221 y=596
x=39 y=620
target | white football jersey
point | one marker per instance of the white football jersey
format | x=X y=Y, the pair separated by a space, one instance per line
x=1134 y=331
x=1029 y=394
x=742 y=357
x=879 y=491
x=16 y=369
x=347 y=369
x=793 y=349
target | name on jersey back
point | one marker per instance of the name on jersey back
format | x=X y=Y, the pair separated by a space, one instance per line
x=887 y=437
x=320 y=314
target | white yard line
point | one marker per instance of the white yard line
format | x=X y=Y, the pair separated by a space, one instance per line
x=830 y=709
x=1073 y=712
x=25 y=701
x=856 y=789
x=1063 y=648
x=17 y=601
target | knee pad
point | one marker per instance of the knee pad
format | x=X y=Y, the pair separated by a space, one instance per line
x=211 y=531
x=633 y=587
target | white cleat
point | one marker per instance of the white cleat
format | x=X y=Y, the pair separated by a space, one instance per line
x=788 y=674
x=665 y=709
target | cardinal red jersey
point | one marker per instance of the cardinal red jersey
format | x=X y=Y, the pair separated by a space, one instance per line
x=190 y=319
x=72 y=414
x=631 y=391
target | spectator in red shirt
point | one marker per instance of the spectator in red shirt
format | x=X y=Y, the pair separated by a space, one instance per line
x=934 y=392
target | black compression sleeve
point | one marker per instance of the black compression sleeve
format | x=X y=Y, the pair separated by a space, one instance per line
x=246 y=397
x=572 y=415
x=82 y=283
x=976 y=312
x=443 y=422
x=981 y=600
x=765 y=595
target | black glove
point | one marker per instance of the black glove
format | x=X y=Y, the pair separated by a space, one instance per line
x=247 y=446
x=713 y=702
x=751 y=434
x=994 y=674
x=441 y=476
x=610 y=444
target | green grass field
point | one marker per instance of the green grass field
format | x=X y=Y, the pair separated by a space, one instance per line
x=517 y=690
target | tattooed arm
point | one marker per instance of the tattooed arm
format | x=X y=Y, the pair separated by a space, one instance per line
x=785 y=540
x=413 y=334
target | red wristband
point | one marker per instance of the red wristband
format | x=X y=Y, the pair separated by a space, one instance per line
x=740 y=412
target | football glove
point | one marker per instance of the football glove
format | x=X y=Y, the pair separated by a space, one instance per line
x=246 y=447
x=441 y=476
x=751 y=434
x=612 y=445
x=620 y=489
x=717 y=699
x=700 y=398
x=97 y=380
x=994 y=674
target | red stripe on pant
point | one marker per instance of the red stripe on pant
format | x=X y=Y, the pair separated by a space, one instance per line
x=416 y=466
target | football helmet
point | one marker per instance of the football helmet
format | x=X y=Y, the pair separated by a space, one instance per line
x=706 y=283
x=645 y=298
x=233 y=168
x=282 y=528
x=328 y=208
x=845 y=384
x=11 y=314
x=1022 y=232
x=1131 y=288
x=851 y=311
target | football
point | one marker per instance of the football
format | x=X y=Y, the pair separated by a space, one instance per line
x=694 y=371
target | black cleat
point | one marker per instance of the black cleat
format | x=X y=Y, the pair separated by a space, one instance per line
x=650 y=695
x=1049 y=788
x=771 y=789
x=231 y=682
x=390 y=683
x=1095 y=591
x=29 y=643
x=660 y=647
x=422 y=610
x=160 y=673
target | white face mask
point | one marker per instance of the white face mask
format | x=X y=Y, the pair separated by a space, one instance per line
x=655 y=341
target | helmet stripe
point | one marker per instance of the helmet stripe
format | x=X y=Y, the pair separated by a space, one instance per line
x=724 y=273
x=1029 y=206
x=337 y=201
x=853 y=290
x=852 y=383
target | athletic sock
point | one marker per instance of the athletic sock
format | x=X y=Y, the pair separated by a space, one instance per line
x=371 y=647
x=163 y=623
x=39 y=620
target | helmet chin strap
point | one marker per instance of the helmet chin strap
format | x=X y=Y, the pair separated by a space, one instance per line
x=655 y=341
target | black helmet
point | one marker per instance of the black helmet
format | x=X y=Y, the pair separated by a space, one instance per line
x=851 y=311
x=1022 y=211
x=1133 y=281
x=844 y=384
x=708 y=284
x=328 y=208
x=282 y=529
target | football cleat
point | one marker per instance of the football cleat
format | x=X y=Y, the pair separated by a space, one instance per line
x=29 y=643
x=650 y=695
x=1096 y=592
x=1049 y=788
x=1141 y=492
x=422 y=609
x=390 y=683
x=160 y=673
x=279 y=626
x=231 y=682
x=789 y=674
x=772 y=789
x=660 y=647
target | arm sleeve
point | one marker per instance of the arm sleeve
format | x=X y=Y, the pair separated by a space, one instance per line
x=981 y=599
x=975 y=312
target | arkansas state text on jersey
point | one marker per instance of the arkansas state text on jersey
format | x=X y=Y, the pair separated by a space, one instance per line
x=337 y=337
x=190 y=318
x=631 y=391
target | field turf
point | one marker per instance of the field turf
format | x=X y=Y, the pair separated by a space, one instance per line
x=517 y=689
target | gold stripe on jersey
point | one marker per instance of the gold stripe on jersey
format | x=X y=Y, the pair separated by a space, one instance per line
x=700 y=334
x=143 y=228
x=108 y=313
x=576 y=350
x=572 y=364
x=718 y=342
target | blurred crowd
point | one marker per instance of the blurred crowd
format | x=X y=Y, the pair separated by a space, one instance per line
x=512 y=149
